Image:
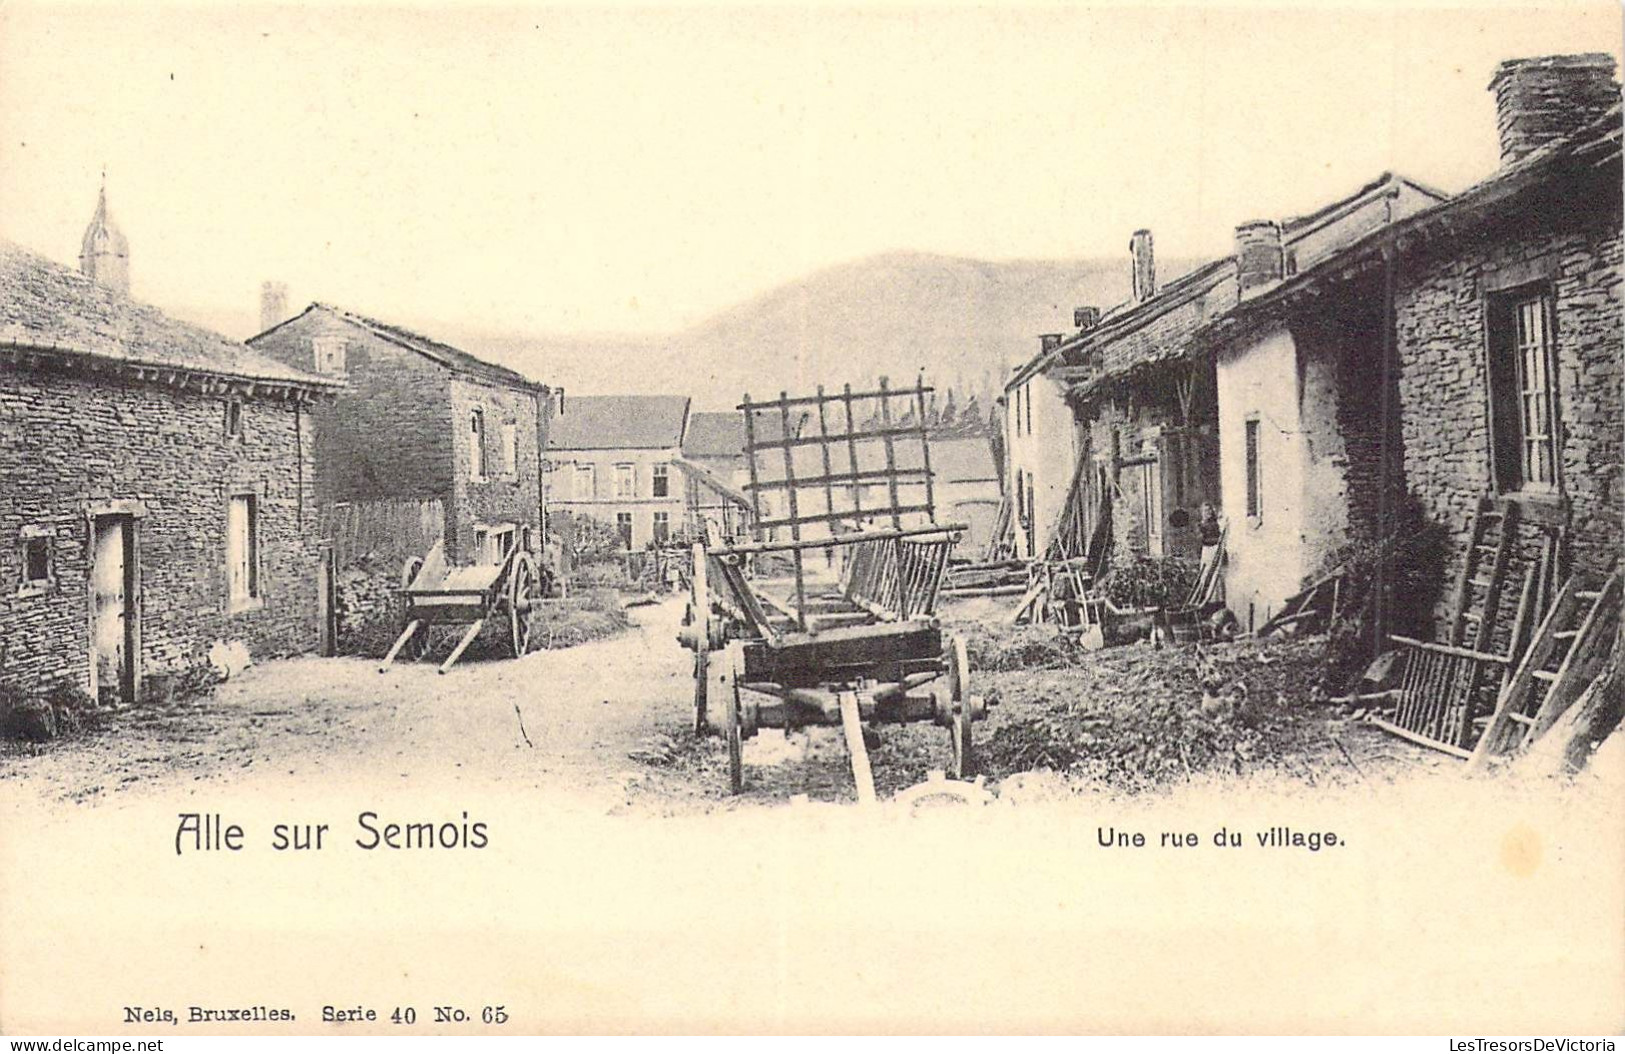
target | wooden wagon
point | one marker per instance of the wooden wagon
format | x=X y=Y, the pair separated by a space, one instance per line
x=468 y=596
x=849 y=636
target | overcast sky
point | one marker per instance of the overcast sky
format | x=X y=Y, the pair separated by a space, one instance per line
x=612 y=169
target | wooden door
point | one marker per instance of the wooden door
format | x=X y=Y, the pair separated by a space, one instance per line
x=112 y=645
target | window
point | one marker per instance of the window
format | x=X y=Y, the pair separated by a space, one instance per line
x=329 y=354
x=662 y=528
x=661 y=481
x=476 y=444
x=493 y=544
x=36 y=547
x=626 y=482
x=1523 y=395
x=242 y=549
x=1028 y=403
x=586 y=484
x=623 y=524
x=1255 y=495
x=234 y=418
x=510 y=449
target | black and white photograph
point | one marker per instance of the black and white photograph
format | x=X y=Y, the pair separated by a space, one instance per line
x=787 y=519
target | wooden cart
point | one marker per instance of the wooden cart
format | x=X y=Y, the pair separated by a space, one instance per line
x=467 y=596
x=855 y=640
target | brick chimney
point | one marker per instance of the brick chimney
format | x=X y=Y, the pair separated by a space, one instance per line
x=1258 y=254
x=1145 y=267
x=1538 y=100
x=273 y=304
x=1085 y=317
x=1049 y=341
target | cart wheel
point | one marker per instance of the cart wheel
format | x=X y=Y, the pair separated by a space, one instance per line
x=723 y=669
x=701 y=675
x=958 y=670
x=418 y=646
x=523 y=589
x=964 y=765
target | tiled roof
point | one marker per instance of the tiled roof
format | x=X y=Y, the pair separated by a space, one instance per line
x=445 y=354
x=47 y=306
x=619 y=422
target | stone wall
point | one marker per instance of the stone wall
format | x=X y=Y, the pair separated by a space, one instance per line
x=1572 y=243
x=388 y=435
x=68 y=445
x=498 y=496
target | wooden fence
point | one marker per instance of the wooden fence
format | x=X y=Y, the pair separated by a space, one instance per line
x=382 y=531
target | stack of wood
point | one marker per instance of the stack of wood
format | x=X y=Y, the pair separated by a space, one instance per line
x=993 y=578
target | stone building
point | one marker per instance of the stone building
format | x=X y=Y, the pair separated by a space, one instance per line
x=158 y=504
x=615 y=458
x=1492 y=331
x=1114 y=431
x=421 y=421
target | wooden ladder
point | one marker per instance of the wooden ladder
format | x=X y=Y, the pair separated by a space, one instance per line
x=1491 y=537
x=1562 y=659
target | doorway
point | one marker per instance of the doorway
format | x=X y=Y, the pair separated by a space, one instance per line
x=114 y=610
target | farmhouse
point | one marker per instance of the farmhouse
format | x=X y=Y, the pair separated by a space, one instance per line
x=422 y=422
x=1488 y=330
x=159 y=501
x=615 y=458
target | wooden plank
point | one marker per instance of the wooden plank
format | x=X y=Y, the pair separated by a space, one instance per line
x=1414 y=737
x=856 y=538
x=1517 y=688
x=823 y=449
x=925 y=448
x=462 y=645
x=1475 y=537
x=887 y=433
x=836 y=477
x=795 y=514
x=852 y=451
x=750 y=464
x=1579 y=664
x=838 y=517
x=808 y=400
x=851 y=725
x=400 y=642
x=891 y=454
x=1446 y=649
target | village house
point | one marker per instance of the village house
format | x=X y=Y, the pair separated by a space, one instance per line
x=1114 y=433
x=1485 y=331
x=615 y=458
x=421 y=422
x=158 y=517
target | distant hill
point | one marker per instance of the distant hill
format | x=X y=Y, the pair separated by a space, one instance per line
x=962 y=321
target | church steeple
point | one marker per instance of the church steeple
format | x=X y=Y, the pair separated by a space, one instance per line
x=104 y=253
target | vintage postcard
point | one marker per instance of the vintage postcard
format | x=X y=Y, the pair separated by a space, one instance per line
x=811 y=518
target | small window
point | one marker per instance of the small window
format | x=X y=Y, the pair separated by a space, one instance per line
x=510 y=449
x=662 y=528
x=623 y=524
x=1255 y=494
x=242 y=548
x=36 y=560
x=1028 y=401
x=329 y=353
x=586 y=483
x=662 y=481
x=234 y=418
x=1523 y=394
x=626 y=481
x=476 y=444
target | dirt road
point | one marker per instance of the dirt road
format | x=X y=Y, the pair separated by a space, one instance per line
x=562 y=719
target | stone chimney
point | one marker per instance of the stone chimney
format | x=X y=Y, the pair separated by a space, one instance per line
x=1145 y=267
x=1258 y=254
x=1049 y=341
x=1539 y=100
x=1086 y=317
x=273 y=304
